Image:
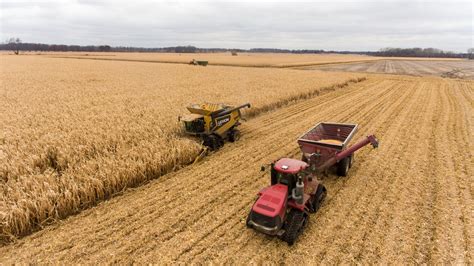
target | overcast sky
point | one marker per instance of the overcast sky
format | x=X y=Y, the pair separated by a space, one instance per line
x=329 y=25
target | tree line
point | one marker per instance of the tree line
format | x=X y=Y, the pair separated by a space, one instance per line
x=421 y=52
x=16 y=45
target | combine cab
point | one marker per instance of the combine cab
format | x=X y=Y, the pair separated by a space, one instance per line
x=213 y=123
x=283 y=208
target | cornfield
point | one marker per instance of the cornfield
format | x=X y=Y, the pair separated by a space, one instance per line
x=225 y=59
x=75 y=132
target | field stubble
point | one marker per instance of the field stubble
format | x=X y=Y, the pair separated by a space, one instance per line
x=460 y=69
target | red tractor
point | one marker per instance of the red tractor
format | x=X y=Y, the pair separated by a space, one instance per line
x=283 y=208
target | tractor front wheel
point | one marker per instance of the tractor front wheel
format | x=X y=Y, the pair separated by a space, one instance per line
x=294 y=225
x=247 y=222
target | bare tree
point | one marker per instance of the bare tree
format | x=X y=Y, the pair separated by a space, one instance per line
x=14 y=45
x=470 y=53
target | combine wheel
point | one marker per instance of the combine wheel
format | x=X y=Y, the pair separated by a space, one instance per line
x=214 y=142
x=295 y=222
x=220 y=141
x=234 y=135
x=318 y=199
x=343 y=167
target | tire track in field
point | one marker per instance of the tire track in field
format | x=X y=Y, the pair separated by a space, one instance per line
x=460 y=172
x=397 y=188
x=367 y=209
x=361 y=193
x=443 y=245
x=406 y=67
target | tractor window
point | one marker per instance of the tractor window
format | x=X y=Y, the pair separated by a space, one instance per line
x=274 y=178
x=286 y=179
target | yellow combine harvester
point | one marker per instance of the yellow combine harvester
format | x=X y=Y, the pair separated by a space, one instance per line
x=213 y=123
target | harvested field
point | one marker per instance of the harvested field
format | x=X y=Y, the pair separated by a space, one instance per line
x=449 y=69
x=226 y=59
x=276 y=60
x=410 y=201
x=75 y=132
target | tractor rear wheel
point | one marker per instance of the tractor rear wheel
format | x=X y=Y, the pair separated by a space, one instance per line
x=343 y=167
x=294 y=224
x=234 y=135
x=318 y=199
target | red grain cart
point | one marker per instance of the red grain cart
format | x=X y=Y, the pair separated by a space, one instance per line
x=322 y=143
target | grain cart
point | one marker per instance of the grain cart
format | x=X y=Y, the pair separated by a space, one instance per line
x=283 y=208
x=213 y=123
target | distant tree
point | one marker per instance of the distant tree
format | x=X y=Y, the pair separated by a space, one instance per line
x=416 y=52
x=105 y=48
x=14 y=45
x=470 y=53
x=185 y=49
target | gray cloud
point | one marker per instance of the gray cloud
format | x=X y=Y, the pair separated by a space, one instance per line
x=338 y=25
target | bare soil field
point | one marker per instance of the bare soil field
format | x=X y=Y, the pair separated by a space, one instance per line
x=449 y=69
x=74 y=132
x=409 y=201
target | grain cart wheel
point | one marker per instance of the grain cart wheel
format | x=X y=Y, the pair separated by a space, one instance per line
x=318 y=199
x=234 y=135
x=295 y=222
x=343 y=167
x=351 y=161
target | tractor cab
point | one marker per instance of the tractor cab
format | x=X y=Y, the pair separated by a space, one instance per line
x=286 y=171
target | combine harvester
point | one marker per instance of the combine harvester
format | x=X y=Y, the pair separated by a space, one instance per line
x=283 y=208
x=213 y=123
x=198 y=62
